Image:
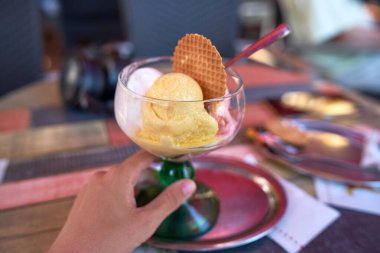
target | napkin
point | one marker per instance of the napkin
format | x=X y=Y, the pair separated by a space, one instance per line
x=356 y=198
x=371 y=151
x=305 y=217
x=3 y=168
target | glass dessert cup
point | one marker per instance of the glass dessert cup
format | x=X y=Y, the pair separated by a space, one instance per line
x=175 y=131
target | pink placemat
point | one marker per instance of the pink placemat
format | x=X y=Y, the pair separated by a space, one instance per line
x=37 y=190
x=257 y=75
x=257 y=113
x=116 y=136
x=13 y=120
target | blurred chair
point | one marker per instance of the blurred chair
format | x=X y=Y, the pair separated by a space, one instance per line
x=90 y=21
x=21 y=50
x=154 y=27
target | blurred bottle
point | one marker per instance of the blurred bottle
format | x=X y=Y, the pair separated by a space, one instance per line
x=52 y=35
x=89 y=75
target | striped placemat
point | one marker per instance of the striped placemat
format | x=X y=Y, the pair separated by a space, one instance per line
x=48 y=116
x=53 y=139
x=67 y=162
x=49 y=187
x=92 y=154
x=83 y=132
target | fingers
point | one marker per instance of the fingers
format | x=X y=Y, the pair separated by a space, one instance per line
x=170 y=199
x=130 y=170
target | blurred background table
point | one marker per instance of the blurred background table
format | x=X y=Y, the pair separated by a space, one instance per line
x=52 y=150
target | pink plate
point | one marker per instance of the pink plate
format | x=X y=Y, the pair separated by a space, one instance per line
x=252 y=202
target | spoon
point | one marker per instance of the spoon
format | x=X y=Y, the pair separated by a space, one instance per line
x=279 y=32
x=294 y=154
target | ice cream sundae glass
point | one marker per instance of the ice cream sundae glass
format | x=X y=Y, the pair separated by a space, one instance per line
x=170 y=113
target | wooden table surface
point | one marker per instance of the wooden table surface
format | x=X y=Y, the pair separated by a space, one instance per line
x=33 y=144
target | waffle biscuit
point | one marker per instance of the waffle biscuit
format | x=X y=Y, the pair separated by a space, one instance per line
x=197 y=57
x=287 y=131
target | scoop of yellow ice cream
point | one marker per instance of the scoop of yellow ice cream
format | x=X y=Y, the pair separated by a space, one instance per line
x=175 y=87
x=173 y=122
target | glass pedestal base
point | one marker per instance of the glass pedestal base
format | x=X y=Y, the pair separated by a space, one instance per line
x=192 y=219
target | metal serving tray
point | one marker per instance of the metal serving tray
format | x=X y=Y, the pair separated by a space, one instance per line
x=252 y=203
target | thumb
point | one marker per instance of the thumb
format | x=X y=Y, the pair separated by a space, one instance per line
x=171 y=198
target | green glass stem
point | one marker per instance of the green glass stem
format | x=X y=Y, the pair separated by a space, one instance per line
x=193 y=218
x=173 y=171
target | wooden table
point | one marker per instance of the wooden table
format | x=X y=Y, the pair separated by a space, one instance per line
x=42 y=141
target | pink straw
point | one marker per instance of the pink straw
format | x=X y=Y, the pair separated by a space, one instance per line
x=279 y=32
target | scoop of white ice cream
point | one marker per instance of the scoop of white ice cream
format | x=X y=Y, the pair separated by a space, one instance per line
x=142 y=79
x=128 y=100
